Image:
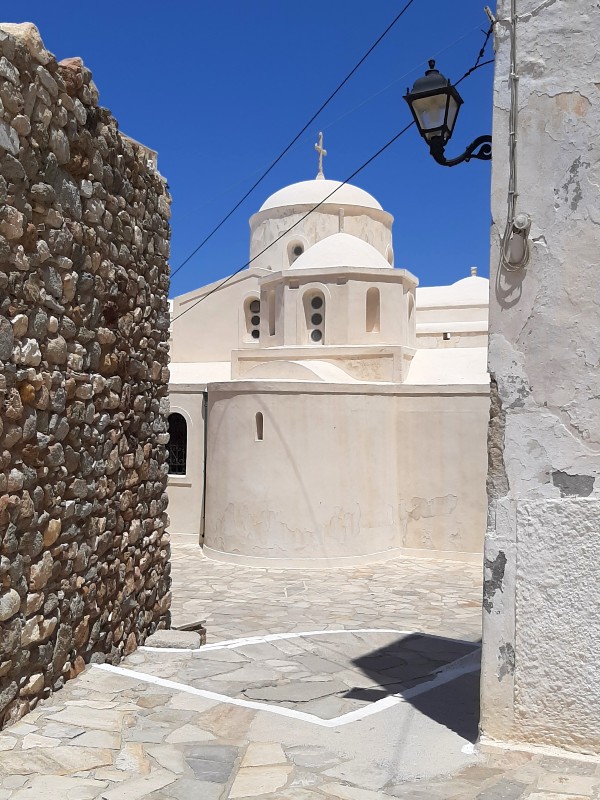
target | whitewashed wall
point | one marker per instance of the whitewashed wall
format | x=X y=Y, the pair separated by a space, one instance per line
x=541 y=624
x=344 y=475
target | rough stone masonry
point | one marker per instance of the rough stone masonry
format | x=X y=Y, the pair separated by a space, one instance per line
x=84 y=241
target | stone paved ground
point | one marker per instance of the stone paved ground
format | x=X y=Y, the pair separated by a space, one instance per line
x=354 y=684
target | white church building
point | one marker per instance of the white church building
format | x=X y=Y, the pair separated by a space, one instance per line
x=324 y=410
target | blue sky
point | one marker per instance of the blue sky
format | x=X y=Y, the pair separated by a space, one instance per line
x=219 y=89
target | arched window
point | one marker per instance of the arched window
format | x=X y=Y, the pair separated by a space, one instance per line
x=411 y=318
x=411 y=309
x=314 y=311
x=260 y=426
x=294 y=249
x=177 y=444
x=252 y=319
x=272 y=310
x=373 y=310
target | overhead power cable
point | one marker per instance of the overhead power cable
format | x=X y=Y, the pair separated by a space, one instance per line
x=478 y=63
x=296 y=137
x=508 y=261
x=397 y=80
x=344 y=115
x=308 y=213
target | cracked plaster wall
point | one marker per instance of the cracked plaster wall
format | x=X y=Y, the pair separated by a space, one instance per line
x=541 y=676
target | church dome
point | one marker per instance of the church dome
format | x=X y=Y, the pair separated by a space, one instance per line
x=339 y=251
x=473 y=290
x=310 y=193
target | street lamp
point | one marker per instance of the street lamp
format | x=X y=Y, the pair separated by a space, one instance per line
x=435 y=103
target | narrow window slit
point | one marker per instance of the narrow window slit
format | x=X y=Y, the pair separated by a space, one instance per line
x=373 y=310
x=177 y=450
x=272 y=301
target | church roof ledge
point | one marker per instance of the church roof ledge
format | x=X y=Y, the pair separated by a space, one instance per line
x=243 y=275
x=281 y=385
x=309 y=274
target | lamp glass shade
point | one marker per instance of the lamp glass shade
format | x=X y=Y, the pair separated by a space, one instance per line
x=452 y=114
x=434 y=104
x=430 y=113
x=436 y=114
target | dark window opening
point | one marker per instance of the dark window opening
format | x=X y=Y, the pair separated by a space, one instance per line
x=177 y=451
x=294 y=251
x=259 y=427
x=252 y=313
x=314 y=310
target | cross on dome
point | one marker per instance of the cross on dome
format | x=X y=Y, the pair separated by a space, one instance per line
x=322 y=152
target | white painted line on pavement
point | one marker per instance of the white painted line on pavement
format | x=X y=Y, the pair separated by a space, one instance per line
x=443 y=675
x=273 y=637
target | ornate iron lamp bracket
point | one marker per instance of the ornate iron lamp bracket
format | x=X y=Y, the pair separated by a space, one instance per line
x=480 y=148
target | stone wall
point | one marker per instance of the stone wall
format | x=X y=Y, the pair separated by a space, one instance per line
x=541 y=671
x=84 y=240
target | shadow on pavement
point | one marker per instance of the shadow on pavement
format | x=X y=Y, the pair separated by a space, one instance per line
x=414 y=661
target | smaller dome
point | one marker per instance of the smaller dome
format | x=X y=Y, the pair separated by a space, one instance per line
x=339 y=251
x=474 y=288
x=310 y=193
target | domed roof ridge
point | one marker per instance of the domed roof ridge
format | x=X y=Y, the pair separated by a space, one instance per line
x=315 y=191
x=341 y=250
x=471 y=280
x=473 y=289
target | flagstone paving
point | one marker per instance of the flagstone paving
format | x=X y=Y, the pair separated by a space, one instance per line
x=353 y=684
